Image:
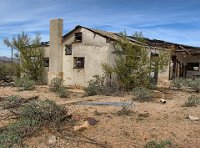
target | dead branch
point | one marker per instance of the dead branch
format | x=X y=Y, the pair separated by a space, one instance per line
x=2 y=98
x=19 y=102
x=82 y=139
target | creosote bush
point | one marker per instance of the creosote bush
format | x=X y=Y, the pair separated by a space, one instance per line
x=8 y=71
x=13 y=98
x=63 y=92
x=14 y=133
x=195 y=84
x=102 y=86
x=142 y=93
x=193 y=100
x=24 y=83
x=33 y=116
x=125 y=110
x=44 y=112
x=57 y=87
x=56 y=83
x=155 y=144
x=187 y=82
x=178 y=82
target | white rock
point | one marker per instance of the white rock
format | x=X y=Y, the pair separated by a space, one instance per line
x=52 y=139
x=193 y=118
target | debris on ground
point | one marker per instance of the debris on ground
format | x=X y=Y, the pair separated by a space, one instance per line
x=86 y=124
x=193 y=118
x=163 y=101
x=144 y=115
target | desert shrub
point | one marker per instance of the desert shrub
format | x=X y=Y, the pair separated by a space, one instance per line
x=13 y=98
x=125 y=110
x=187 y=82
x=94 y=86
x=193 y=100
x=33 y=116
x=14 y=133
x=142 y=93
x=8 y=71
x=178 y=82
x=102 y=86
x=155 y=144
x=195 y=84
x=24 y=83
x=56 y=83
x=11 y=101
x=57 y=87
x=63 y=92
x=44 y=112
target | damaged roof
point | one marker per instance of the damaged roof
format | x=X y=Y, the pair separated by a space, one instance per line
x=149 y=42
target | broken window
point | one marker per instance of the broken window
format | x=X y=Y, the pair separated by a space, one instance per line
x=154 y=68
x=68 y=49
x=193 y=66
x=79 y=62
x=46 y=62
x=78 y=37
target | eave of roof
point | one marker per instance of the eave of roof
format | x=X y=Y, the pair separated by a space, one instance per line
x=150 y=42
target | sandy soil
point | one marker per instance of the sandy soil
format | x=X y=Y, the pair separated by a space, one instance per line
x=164 y=122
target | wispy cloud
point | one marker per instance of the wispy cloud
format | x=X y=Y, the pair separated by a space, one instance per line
x=171 y=20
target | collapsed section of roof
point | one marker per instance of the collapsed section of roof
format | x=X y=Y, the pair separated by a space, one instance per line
x=176 y=48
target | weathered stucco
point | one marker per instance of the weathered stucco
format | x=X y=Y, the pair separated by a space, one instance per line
x=55 y=49
x=94 y=49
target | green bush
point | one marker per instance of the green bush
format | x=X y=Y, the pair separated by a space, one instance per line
x=63 y=92
x=13 y=98
x=25 y=83
x=155 y=144
x=102 y=86
x=94 y=86
x=8 y=71
x=57 y=87
x=178 y=82
x=14 y=133
x=187 y=82
x=56 y=83
x=142 y=93
x=195 y=84
x=193 y=100
x=44 y=112
x=33 y=116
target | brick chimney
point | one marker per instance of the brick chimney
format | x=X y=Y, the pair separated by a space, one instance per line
x=55 y=49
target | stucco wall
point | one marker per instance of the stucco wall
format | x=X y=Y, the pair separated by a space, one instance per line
x=94 y=49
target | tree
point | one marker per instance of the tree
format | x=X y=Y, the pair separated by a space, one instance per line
x=132 y=64
x=30 y=54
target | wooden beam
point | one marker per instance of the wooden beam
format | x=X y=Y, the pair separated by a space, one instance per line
x=185 y=50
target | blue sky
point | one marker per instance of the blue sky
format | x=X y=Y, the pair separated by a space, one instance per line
x=171 y=20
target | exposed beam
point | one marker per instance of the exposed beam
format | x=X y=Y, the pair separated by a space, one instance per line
x=185 y=50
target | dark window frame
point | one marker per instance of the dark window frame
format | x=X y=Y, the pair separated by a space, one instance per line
x=190 y=66
x=79 y=62
x=68 y=49
x=46 y=62
x=78 y=37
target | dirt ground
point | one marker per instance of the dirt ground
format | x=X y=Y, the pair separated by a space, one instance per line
x=164 y=121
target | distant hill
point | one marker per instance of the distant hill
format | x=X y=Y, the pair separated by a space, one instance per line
x=4 y=59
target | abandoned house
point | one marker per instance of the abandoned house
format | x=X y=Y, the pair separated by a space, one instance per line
x=78 y=55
